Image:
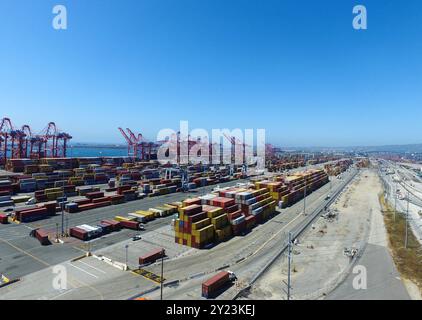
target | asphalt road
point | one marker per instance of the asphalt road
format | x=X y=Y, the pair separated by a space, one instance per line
x=383 y=279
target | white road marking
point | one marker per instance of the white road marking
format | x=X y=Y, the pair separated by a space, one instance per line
x=92 y=275
x=61 y=294
x=88 y=265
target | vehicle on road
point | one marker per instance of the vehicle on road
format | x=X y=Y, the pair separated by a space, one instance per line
x=136 y=237
x=31 y=201
x=218 y=283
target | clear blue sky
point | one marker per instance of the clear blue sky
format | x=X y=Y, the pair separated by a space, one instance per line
x=296 y=68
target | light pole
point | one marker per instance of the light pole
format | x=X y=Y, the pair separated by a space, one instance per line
x=289 y=265
x=395 y=201
x=304 y=200
x=162 y=273
x=126 y=247
x=407 y=217
x=62 y=205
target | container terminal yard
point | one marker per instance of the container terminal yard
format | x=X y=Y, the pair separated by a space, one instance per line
x=129 y=214
x=133 y=228
x=113 y=222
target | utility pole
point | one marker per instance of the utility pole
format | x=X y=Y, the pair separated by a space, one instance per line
x=395 y=202
x=67 y=226
x=304 y=200
x=62 y=205
x=162 y=273
x=407 y=217
x=289 y=266
x=126 y=247
x=57 y=232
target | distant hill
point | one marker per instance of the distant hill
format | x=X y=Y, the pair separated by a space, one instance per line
x=405 y=148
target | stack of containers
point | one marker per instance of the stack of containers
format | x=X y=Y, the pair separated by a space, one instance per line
x=27 y=215
x=220 y=221
x=193 y=228
x=32 y=168
x=234 y=215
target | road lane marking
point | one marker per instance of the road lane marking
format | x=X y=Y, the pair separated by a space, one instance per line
x=61 y=294
x=88 y=265
x=83 y=270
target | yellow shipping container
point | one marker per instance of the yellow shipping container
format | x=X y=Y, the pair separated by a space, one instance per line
x=147 y=214
x=215 y=213
x=220 y=221
x=53 y=190
x=201 y=224
x=120 y=218
x=20 y=199
x=172 y=209
x=204 y=234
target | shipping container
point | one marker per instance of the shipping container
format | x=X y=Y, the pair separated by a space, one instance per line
x=152 y=256
x=42 y=237
x=213 y=286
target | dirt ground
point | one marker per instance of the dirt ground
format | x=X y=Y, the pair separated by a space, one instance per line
x=318 y=259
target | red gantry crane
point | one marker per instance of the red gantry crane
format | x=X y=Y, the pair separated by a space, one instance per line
x=236 y=142
x=21 y=143
x=53 y=142
x=138 y=147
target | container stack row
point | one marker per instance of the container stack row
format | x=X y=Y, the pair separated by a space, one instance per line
x=334 y=169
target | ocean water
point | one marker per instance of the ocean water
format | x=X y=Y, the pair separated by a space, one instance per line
x=96 y=152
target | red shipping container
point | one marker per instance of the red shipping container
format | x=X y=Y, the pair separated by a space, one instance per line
x=193 y=201
x=197 y=217
x=238 y=229
x=93 y=195
x=123 y=188
x=42 y=237
x=192 y=209
x=51 y=207
x=214 y=284
x=234 y=215
x=82 y=201
x=134 y=225
x=3 y=218
x=152 y=256
x=78 y=233
x=222 y=202
x=102 y=199
x=116 y=224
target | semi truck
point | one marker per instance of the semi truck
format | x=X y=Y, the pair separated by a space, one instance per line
x=216 y=284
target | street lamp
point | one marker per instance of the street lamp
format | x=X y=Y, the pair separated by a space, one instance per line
x=126 y=247
x=162 y=273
